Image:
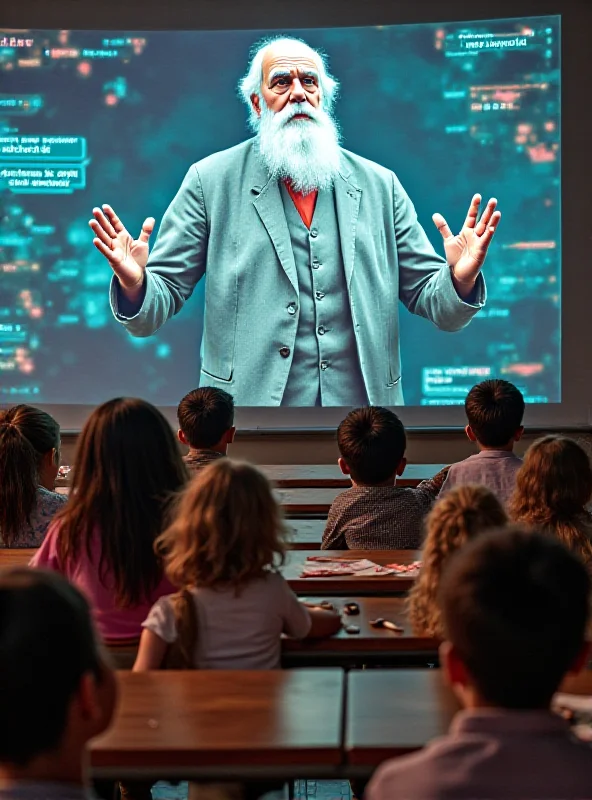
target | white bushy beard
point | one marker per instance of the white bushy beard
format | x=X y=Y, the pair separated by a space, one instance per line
x=304 y=151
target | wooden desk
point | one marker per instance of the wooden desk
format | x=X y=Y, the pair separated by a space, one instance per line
x=328 y=476
x=339 y=585
x=371 y=645
x=16 y=557
x=323 y=476
x=295 y=502
x=306 y=534
x=224 y=724
x=393 y=712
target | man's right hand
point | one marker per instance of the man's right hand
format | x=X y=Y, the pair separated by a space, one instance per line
x=127 y=256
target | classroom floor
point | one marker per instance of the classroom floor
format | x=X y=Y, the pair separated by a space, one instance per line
x=303 y=789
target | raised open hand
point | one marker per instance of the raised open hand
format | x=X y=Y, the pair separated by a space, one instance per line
x=126 y=255
x=466 y=251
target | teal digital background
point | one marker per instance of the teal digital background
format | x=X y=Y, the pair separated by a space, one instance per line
x=409 y=100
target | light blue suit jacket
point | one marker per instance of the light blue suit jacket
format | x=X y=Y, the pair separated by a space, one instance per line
x=227 y=222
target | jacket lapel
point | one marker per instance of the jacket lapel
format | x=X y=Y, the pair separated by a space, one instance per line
x=347 y=201
x=269 y=206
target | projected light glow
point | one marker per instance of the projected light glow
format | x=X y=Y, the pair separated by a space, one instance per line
x=88 y=117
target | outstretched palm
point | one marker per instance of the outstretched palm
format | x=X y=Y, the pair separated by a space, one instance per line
x=126 y=255
x=466 y=251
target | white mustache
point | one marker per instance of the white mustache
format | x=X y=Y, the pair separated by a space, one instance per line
x=298 y=109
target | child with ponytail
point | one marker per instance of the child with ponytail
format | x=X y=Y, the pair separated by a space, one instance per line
x=29 y=461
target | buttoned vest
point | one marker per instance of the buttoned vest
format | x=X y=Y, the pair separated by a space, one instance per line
x=325 y=366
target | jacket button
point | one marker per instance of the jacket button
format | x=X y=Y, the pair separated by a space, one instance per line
x=284 y=352
x=291 y=308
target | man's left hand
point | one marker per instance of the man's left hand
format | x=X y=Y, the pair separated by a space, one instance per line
x=466 y=251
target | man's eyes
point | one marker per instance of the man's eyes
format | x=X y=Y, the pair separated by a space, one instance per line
x=306 y=81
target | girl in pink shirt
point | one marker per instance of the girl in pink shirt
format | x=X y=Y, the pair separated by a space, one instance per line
x=127 y=469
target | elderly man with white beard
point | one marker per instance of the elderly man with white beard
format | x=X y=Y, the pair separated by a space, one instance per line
x=306 y=250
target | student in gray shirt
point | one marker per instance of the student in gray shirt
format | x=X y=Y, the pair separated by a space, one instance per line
x=494 y=410
x=515 y=608
x=56 y=690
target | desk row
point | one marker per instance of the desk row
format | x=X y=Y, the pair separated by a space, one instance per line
x=299 y=570
x=285 y=724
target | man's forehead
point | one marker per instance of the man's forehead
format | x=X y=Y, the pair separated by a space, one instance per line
x=288 y=59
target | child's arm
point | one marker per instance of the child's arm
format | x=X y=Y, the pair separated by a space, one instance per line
x=323 y=623
x=151 y=652
x=434 y=485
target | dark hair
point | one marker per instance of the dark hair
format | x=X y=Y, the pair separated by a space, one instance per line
x=553 y=487
x=205 y=415
x=372 y=442
x=127 y=469
x=494 y=411
x=47 y=643
x=515 y=605
x=26 y=434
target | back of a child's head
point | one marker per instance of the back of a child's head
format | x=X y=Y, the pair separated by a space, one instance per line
x=205 y=415
x=494 y=410
x=47 y=645
x=127 y=468
x=26 y=435
x=372 y=442
x=553 y=486
x=227 y=529
x=515 y=605
x=458 y=516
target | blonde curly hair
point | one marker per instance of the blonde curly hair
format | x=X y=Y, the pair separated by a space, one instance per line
x=458 y=516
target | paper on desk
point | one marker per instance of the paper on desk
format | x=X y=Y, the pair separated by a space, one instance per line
x=325 y=567
x=406 y=569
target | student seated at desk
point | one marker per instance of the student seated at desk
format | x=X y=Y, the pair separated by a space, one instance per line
x=56 y=690
x=553 y=488
x=29 y=462
x=456 y=518
x=222 y=551
x=206 y=425
x=515 y=606
x=127 y=469
x=494 y=412
x=375 y=514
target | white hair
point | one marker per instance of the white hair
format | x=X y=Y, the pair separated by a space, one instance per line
x=251 y=83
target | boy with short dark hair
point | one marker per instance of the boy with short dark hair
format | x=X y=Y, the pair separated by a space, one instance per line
x=375 y=514
x=56 y=691
x=494 y=410
x=206 y=425
x=515 y=607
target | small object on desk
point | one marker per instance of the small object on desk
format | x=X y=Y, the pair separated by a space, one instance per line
x=380 y=622
x=324 y=605
x=351 y=609
x=63 y=471
x=351 y=629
